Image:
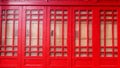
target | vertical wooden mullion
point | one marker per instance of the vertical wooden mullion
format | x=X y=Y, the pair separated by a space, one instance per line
x=105 y=33
x=5 y=39
x=79 y=33
x=62 y=32
x=38 y=36
x=87 y=33
x=113 y=34
x=30 y=34
x=54 y=32
x=13 y=34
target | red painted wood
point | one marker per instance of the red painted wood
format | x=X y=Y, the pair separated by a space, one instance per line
x=96 y=37
x=44 y=55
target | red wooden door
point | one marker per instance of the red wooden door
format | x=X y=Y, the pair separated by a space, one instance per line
x=108 y=37
x=10 y=35
x=94 y=37
x=82 y=45
x=33 y=37
x=58 y=37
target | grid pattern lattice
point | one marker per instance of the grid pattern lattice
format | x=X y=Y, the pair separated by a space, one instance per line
x=108 y=21
x=34 y=32
x=58 y=32
x=9 y=45
x=83 y=33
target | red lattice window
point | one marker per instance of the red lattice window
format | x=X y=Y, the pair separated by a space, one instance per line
x=34 y=32
x=58 y=32
x=108 y=21
x=83 y=33
x=9 y=46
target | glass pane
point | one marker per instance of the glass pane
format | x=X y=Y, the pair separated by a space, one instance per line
x=108 y=42
x=34 y=29
x=9 y=41
x=83 y=30
x=58 y=30
x=108 y=31
x=9 y=30
x=83 y=42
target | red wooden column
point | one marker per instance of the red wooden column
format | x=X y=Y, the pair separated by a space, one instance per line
x=96 y=37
